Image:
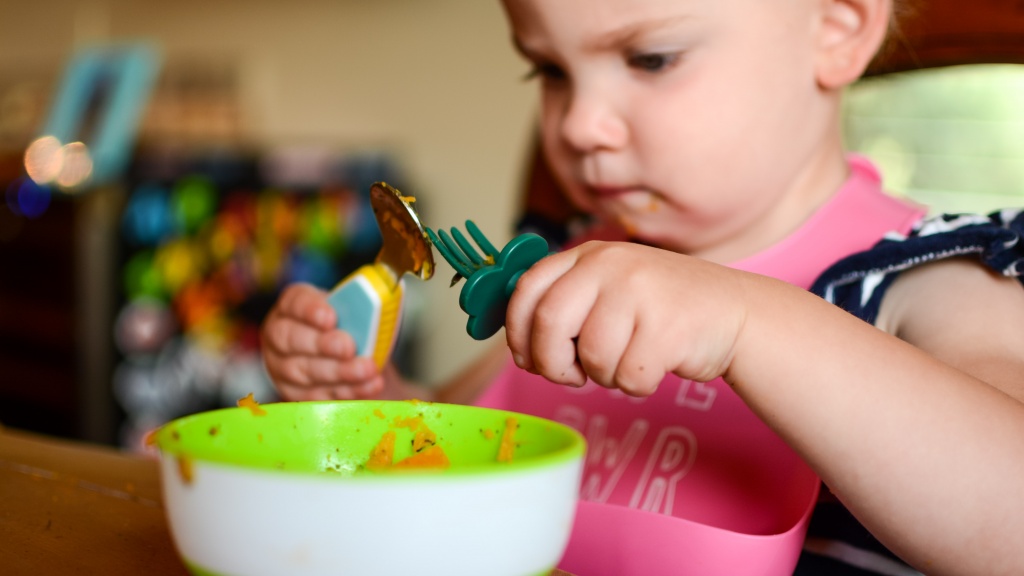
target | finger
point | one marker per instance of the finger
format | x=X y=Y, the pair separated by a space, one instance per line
x=638 y=372
x=287 y=337
x=371 y=388
x=368 y=389
x=319 y=371
x=306 y=303
x=297 y=393
x=558 y=320
x=603 y=340
x=519 y=315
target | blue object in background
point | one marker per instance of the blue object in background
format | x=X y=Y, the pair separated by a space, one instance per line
x=111 y=83
x=26 y=198
x=147 y=217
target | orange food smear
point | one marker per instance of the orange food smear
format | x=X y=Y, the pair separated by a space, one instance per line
x=507 y=447
x=383 y=453
x=379 y=414
x=424 y=437
x=426 y=452
x=251 y=403
x=185 y=469
x=412 y=422
x=433 y=457
x=488 y=433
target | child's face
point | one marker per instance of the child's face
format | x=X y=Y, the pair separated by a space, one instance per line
x=691 y=122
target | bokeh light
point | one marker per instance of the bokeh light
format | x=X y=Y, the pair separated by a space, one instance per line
x=143 y=326
x=179 y=262
x=147 y=218
x=77 y=166
x=193 y=202
x=27 y=198
x=44 y=159
x=141 y=277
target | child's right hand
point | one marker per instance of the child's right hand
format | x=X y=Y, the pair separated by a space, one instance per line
x=307 y=357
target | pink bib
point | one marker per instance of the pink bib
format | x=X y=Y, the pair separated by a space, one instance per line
x=689 y=480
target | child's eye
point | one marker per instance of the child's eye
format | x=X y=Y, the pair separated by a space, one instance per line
x=545 y=72
x=651 y=62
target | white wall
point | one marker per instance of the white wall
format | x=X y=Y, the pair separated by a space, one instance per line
x=436 y=80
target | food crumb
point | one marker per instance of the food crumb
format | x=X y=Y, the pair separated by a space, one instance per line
x=251 y=403
x=383 y=453
x=185 y=469
x=507 y=447
x=488 y=433
x=433 y=457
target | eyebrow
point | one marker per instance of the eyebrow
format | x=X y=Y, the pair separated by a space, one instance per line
x=621 y=36
x=630 y=33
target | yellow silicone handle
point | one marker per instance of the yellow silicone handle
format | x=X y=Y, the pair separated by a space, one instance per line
x=387 y=331
x=368 y=305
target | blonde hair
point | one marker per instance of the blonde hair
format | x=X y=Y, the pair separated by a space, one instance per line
x=902 y=11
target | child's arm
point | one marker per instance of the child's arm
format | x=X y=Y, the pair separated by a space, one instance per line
x=307 y=358
x=928 y=454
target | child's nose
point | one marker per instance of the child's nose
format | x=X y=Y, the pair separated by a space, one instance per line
x=591 y=121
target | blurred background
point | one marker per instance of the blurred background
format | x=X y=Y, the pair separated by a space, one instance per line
x=129 y=300
x=168 y=167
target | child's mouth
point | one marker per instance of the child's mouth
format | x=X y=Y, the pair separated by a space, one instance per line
x=613 y=191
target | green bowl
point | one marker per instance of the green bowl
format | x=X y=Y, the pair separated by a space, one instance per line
x=290 y=488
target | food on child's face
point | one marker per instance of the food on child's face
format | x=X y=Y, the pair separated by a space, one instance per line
x=251 y=403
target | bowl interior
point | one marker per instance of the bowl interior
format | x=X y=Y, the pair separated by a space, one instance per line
x=338 y=437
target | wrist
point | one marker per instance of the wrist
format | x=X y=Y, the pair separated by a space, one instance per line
x=397 y=387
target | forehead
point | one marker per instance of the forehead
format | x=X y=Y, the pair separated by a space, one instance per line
x=582 y=20
x=557 y=15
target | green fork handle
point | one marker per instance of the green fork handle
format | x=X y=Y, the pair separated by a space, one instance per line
x=486 y=293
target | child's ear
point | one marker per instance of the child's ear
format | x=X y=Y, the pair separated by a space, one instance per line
x=851 y=32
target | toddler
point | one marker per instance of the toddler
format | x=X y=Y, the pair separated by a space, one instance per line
x=704 y=138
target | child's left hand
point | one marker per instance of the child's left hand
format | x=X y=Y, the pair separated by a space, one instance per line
x=624 y=315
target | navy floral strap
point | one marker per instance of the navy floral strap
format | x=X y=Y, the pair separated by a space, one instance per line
x=858 y=282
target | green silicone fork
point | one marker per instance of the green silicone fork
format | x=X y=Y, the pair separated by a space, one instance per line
x=491 y=278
